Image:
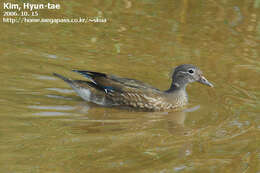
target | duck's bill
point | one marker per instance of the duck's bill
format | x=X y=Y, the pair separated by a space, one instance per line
x=204 y=81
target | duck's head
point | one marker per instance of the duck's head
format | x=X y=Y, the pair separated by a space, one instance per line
x=188 y=73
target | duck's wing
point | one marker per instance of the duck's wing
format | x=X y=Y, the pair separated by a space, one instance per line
x=111 y=83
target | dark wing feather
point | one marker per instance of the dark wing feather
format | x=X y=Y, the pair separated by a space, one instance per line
x=90 y=74
x=79 y=83
x=114 y=83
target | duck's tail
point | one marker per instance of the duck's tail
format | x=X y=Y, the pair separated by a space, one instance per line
x=87 y=90
x=63 y=78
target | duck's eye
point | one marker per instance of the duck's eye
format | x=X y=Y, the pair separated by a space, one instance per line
x=191 y=71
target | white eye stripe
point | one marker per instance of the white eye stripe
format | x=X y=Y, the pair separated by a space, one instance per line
x=183 y=72
x=190 y=73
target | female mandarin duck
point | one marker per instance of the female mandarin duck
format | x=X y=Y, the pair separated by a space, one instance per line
x=110 y=90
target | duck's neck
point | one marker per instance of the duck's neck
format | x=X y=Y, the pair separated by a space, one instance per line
x=177 y=93
x=176 y=87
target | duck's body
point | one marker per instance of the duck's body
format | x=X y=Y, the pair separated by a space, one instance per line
x=110 y=90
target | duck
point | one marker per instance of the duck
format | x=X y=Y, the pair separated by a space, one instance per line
x=113 y=91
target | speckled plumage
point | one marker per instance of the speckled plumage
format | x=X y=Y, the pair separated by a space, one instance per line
x=110 y=90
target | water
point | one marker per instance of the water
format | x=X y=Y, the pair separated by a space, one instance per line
x=46 y=127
